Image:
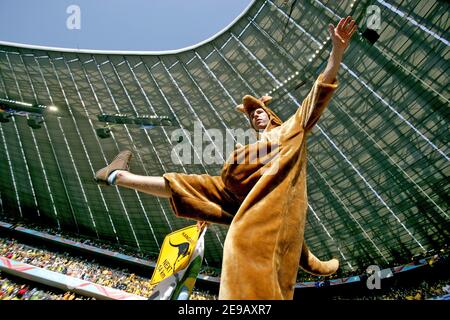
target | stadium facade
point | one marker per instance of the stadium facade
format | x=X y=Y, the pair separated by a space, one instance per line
x=378 y=172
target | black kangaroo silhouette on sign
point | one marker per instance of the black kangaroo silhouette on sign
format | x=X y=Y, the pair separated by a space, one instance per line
x=183 y=250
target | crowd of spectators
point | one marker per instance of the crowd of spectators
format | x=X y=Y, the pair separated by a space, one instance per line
x=77 y=267
x=431 y=256
x=425 y=290
x=122 y=279
x=428 y=288
x=82 y=268
x=13 y=290
x=149 y=256
x=199 y=295
x=123 y=249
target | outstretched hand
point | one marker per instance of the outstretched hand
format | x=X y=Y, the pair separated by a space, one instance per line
x=342 y=33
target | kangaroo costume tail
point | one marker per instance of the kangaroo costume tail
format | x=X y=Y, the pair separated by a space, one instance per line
x=311 y=264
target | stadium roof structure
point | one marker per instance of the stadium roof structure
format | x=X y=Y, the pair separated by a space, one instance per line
x=378 y=171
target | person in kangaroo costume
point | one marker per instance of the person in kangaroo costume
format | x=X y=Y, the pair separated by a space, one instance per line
x=264 y=202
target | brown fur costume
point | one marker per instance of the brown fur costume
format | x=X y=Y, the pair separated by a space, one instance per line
x=264 y=203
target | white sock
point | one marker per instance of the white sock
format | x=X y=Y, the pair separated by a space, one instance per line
x=112 y=177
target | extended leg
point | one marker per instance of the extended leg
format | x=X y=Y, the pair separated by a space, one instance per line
x=156 y=186
x=117 y=173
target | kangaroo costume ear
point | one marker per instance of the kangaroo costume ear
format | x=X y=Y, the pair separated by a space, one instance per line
x=250 y=103
x=266 y=100
x=240 y=108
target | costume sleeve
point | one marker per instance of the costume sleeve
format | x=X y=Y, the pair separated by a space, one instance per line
x=315 y=103
x=201 y=197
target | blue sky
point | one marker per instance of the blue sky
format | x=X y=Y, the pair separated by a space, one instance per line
x=153 y=25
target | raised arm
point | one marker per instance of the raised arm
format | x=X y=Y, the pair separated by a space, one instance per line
x=318 y=98
x=340 y=36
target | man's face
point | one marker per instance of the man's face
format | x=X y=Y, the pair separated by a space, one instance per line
x=259 y=118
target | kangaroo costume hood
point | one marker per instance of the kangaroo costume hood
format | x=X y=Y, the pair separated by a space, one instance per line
x=261 y=194
x=250 y=103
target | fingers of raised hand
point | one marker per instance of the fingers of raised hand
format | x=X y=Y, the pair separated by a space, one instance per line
x=349 y=27
x=352 y=31
x=340 y=24
x=343 y=24
x=346 y=27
